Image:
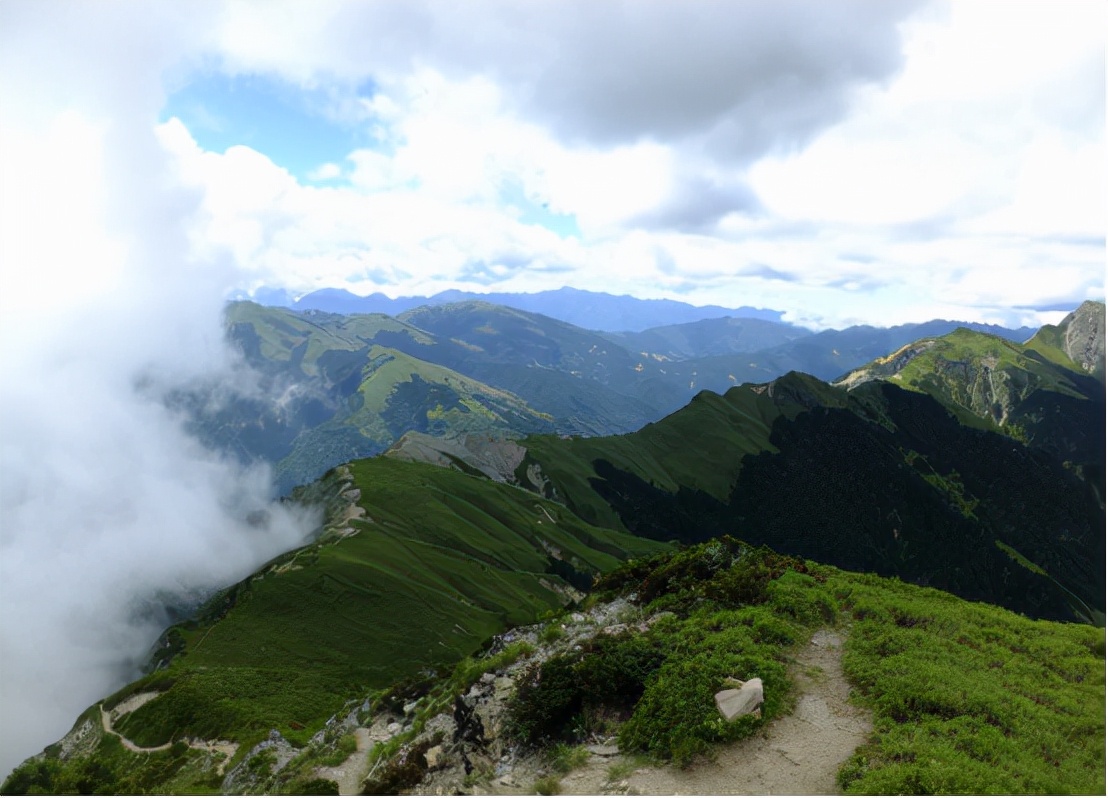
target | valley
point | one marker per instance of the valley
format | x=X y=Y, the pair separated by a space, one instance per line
x=530 y=524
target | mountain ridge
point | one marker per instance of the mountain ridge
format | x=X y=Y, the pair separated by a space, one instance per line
x=579 y=307
x=419 y=563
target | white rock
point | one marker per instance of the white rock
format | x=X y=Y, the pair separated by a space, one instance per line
x=746 y=700
x=433 y=757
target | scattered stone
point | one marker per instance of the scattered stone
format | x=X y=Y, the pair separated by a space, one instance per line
x=393 y=729
x=746 y=700
x=410 y=707
x=433 y=756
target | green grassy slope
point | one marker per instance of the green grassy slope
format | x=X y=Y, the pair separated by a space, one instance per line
x=1033 y=392
x=967 y=698
x=441 y=562
x=285 y=336
x=698 y=448
x=877 y=478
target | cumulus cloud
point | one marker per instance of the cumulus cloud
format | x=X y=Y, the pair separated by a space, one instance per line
x=109 y=513
x=725 y=133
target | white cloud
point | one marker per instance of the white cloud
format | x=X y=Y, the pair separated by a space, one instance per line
x=326 y=171
x=106 y=506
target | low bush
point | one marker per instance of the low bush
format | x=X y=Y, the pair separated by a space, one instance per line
x=609 y=672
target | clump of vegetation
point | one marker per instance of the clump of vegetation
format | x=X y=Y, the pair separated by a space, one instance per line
x=346 y=745
x=552 y=633
x=721 y=609
x=567 y=758
x=547 y=785
x=314 y=787
x=552 y=697
x=969 y=698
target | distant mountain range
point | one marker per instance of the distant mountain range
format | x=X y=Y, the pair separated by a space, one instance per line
x=588 y=309
x=350 y=385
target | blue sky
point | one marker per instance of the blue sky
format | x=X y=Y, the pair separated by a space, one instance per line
x=293 y=127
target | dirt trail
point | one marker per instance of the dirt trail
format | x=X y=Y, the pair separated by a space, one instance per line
x=798 y=754
x=107 y=720
x=130 y=705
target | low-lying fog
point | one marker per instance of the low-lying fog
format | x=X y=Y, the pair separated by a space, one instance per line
x=108 y=510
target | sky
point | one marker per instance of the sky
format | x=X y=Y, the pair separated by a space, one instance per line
x=844 y=163
x=847 y=162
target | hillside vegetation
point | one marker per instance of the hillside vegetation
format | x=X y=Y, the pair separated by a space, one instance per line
x=338 y=387
x=966 y=698
x=1047 y=393
x=875 y=479
x=417 y=566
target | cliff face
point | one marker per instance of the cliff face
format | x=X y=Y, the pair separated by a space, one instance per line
x=1083 y=337
x=1079 y=337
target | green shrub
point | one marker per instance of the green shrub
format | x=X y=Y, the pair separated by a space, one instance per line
x=565 y=758
x=548 y=785
x=551 y=633
x=610 y=672
x=314 y=787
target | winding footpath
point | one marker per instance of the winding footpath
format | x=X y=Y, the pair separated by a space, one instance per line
x=136 y=701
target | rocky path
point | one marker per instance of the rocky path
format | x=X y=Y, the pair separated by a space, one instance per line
x=350 y=774
x=798 y=754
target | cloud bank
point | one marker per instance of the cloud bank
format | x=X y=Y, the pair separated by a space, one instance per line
x=109 y=512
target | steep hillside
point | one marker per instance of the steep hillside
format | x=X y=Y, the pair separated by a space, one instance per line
x=416 y=567
x=616 y=695
x=878 y=478
x=1034 y=392
x=1078 y=338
